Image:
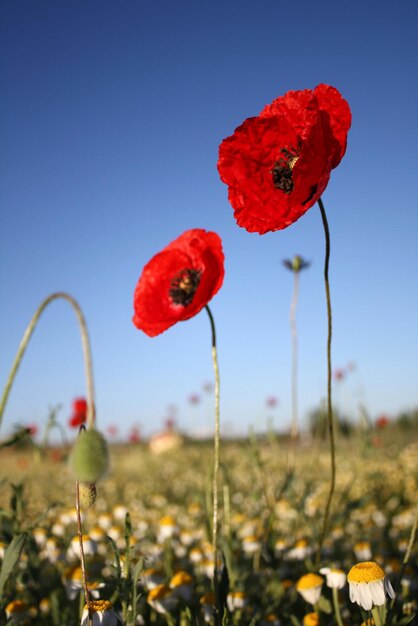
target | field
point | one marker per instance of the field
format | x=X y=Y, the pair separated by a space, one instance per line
x=147 y=538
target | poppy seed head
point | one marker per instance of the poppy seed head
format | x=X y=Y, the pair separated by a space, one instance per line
x=282 y=170
x=184 y=285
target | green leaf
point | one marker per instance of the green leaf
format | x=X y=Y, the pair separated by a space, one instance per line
x=135 y=595
x=405 y=620
x=11 y=557
x=324 y=605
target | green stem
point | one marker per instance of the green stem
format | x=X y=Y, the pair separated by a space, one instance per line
x=293 y=327
x=336 y=606
x=376 y=616
x=82 y=557
x=86 y=352
x=216 y=461
x=412 y=537
x=329 y=385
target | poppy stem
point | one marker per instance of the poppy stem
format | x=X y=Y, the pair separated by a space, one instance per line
x=329 y=385
x=294 y=330
x=216 y=462
x=294 y=431
x=86 y=352
x=80 y=539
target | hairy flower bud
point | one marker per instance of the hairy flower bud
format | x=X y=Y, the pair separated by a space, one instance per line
x=90 y=458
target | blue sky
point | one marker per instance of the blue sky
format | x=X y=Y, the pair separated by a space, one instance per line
x=110 y=120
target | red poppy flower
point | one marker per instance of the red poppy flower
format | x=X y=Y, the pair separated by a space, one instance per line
x=339 y=374
x=134 y=435
x=382 y=421
x=277 y=165
x=79 y=415
x=178 y=281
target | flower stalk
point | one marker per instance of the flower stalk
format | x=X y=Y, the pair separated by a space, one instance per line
x=329 y=383
x=82 y=557
x=216 y=456
x=336 y=606
x=91 y=414
x=411 y=542
x=294 y=332
x=379 y=620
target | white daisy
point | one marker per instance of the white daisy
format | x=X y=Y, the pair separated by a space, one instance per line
x=336 y=578
x=309 y=586
x=369 y=585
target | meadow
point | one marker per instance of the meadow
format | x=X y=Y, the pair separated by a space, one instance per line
x=147 y=538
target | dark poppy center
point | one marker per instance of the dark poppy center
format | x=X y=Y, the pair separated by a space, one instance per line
x=183 y=286
x=282 y=170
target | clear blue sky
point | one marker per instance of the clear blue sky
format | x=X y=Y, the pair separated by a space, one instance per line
x=110 y=119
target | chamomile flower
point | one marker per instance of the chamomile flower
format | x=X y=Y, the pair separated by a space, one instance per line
x=208 y=607
x=103 y=614
x=182 y=585
x=309 y=586
x=363 y=551
x=236 y=600
x=335 y=578
x=18 y=612
x=311 y=619
x=369 y=585
x=167 y=527
x=162 y=599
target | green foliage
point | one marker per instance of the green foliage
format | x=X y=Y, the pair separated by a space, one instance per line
x=11 y=557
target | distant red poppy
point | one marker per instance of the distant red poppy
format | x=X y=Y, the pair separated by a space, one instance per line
x=112 y=430
x=178 y=281
x=194 y=398
x=277 y=165
x=135 y=435
x=272 y=402
x=79 y=415
x=382 y=421
x=169 y=424
x=32 y=429
x=339 y=374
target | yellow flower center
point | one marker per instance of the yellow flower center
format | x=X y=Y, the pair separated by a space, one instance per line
x=160 y=591
x=366 y=572
x=16 y=606
x=208 y=598
x=308 y=581
x=311 y=619
x=181 y=578
x=167 y=521
x=99 y=605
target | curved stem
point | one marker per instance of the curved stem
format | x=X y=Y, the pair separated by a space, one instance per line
x=329 y=385
x=216 y=461
x=91 y=411
x=412 y=537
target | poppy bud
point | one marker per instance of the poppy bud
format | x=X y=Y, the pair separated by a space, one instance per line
x=296 y=263
x=87 y=494
x=90 y=458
